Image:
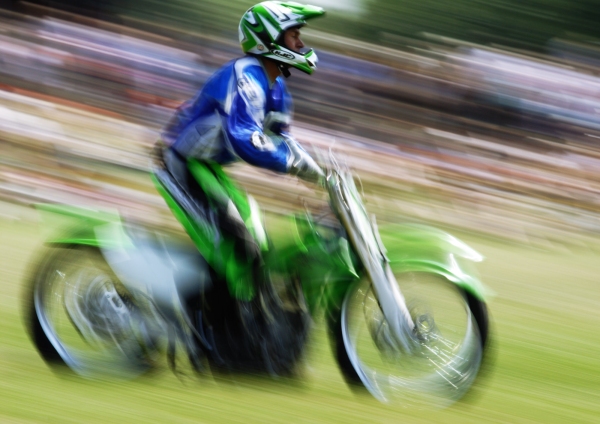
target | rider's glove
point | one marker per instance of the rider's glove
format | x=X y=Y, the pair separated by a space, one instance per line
x=303 y=165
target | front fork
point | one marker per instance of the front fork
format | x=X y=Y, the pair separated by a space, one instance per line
x=391 y=302
x=364 y=236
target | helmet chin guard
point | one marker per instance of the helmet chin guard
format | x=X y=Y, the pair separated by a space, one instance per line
x=306 y=62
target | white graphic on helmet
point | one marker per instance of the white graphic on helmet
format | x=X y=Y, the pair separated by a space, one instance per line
x=251 y=18
x=280 y=13
x=273 y=32
x=284 y=16
x=257 y=41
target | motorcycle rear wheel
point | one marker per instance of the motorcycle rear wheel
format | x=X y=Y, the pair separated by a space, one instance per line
x=80 y=316
x=452 y=330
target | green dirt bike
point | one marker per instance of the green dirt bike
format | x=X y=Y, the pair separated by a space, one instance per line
x=407 y=321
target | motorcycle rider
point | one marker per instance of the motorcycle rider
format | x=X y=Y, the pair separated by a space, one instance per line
x=243 y=113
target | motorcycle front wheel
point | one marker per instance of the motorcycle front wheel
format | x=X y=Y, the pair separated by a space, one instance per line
x=451 y=330
x=80 y=316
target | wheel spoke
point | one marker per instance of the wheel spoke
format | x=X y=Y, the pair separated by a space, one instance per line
x=442 y=367
x=84 y=318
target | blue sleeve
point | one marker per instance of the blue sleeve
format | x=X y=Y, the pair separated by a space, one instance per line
x=244 y=125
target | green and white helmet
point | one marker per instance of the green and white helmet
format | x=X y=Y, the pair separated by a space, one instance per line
x=263 y=25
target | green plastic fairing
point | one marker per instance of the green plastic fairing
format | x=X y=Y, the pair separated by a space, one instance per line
x=419 y=248
x=62 y=219
x=220 y=190
x=320 y=258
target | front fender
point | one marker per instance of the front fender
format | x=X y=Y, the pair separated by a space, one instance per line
x=419 y=248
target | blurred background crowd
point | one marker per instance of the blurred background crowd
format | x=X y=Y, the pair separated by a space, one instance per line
x=479 y=116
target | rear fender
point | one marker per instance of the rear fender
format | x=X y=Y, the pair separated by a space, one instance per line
x=164 y=270
x=79 y=226
x=419 y=248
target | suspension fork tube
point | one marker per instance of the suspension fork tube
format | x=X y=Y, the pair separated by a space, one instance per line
x=389 y=296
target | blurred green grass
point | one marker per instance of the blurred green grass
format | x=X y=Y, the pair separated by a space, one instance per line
x=546 y=349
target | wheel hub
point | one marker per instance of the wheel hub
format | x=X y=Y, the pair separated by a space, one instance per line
x=98 y=311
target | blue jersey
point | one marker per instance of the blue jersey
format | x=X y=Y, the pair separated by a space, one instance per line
x=237 y=115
